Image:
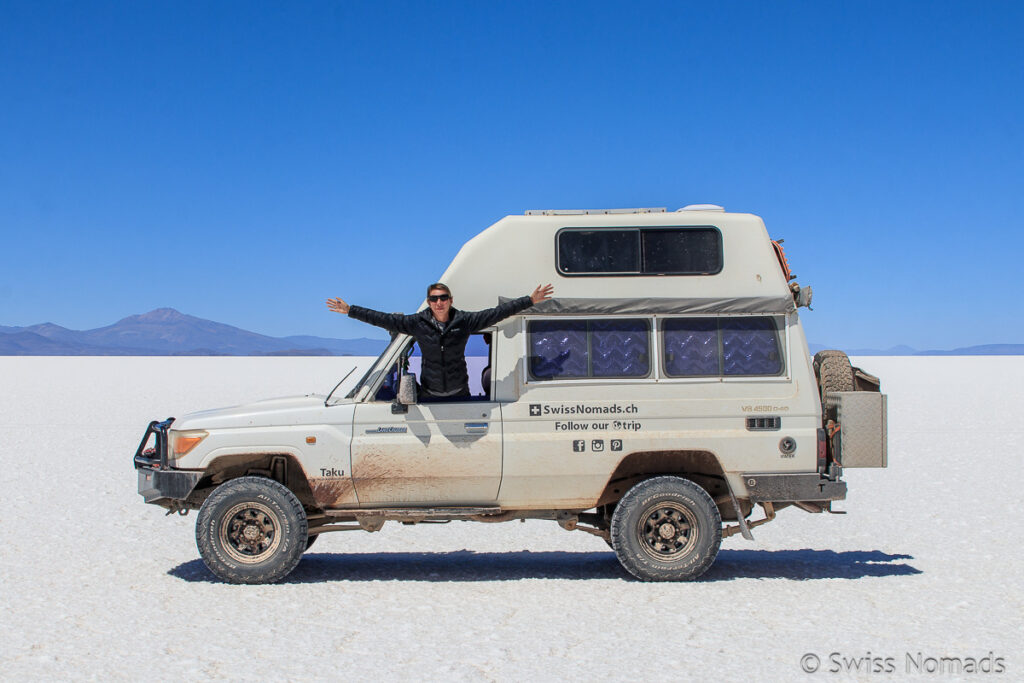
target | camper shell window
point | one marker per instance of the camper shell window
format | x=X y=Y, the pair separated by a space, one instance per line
x=577 y=349
x=721 y=347
x=639 y=251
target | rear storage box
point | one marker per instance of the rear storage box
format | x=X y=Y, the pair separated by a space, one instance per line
x=861 y=439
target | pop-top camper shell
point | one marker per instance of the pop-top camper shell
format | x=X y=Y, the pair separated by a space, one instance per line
x=518 y=250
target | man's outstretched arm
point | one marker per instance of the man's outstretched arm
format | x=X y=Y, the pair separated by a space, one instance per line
x=392 y=322
x=478 y=320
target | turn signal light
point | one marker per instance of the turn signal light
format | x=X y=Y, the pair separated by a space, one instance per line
x=183 y=442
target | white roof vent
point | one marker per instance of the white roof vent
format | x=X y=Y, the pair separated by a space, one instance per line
x=702 y=207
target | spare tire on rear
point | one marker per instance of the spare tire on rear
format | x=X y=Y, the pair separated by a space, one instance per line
x=834 y=373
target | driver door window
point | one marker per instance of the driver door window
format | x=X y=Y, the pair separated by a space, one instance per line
x=478 y=363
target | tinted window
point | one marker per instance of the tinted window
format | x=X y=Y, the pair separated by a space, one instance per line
x=750 y=347
x=689 y=251
x=701 y=347
x=596 y=348
x=599 y=251
x=640 y=251
x=691 y=347
x=618 y=348
x=558 y=348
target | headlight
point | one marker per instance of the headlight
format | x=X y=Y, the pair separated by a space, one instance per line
x=184 y=441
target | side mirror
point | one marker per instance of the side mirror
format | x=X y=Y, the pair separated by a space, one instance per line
x=406 y=394
x=407 y=389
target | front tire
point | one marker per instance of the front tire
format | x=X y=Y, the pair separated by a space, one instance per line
x=251 y=530
x=666 y=529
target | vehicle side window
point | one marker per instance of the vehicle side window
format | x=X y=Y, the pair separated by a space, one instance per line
x=639 y=251
x=691 y=347
x=478 y=357
x=750 y=346
x=566 y=349
x=598 y=251
x=558 y=348
x=702 y=347
x=690 y=251
x=619 y=348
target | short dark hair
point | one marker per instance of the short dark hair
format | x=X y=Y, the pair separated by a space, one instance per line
x=439 y=285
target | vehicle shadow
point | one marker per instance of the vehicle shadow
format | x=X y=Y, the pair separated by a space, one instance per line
x=807 y=564
x=466 y=565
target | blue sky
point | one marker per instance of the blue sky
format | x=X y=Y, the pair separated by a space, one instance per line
x=244 y=161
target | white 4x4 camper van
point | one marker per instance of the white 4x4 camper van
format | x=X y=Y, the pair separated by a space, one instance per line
x=664 y=394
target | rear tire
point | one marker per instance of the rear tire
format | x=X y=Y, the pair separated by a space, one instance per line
x=251 y=530
x=666 y=529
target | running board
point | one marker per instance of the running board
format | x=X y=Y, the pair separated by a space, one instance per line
x=372 y=519
x=414 y=513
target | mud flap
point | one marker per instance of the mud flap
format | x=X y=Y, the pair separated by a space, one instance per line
x=744 y=529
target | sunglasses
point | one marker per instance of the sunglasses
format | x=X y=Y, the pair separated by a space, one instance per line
x=438 y=297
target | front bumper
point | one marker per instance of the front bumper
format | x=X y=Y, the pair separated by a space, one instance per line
x=159 y=483
x=160 y=487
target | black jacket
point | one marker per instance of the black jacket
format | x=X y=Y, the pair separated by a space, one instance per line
x=444 y=353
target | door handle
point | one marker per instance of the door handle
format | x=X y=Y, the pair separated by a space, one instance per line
x=474 y=427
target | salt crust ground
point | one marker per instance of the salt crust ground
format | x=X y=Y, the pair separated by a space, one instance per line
x=96 y=585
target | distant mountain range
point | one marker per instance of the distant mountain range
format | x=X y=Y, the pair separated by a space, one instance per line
x=166 y=332
x=981 y=350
